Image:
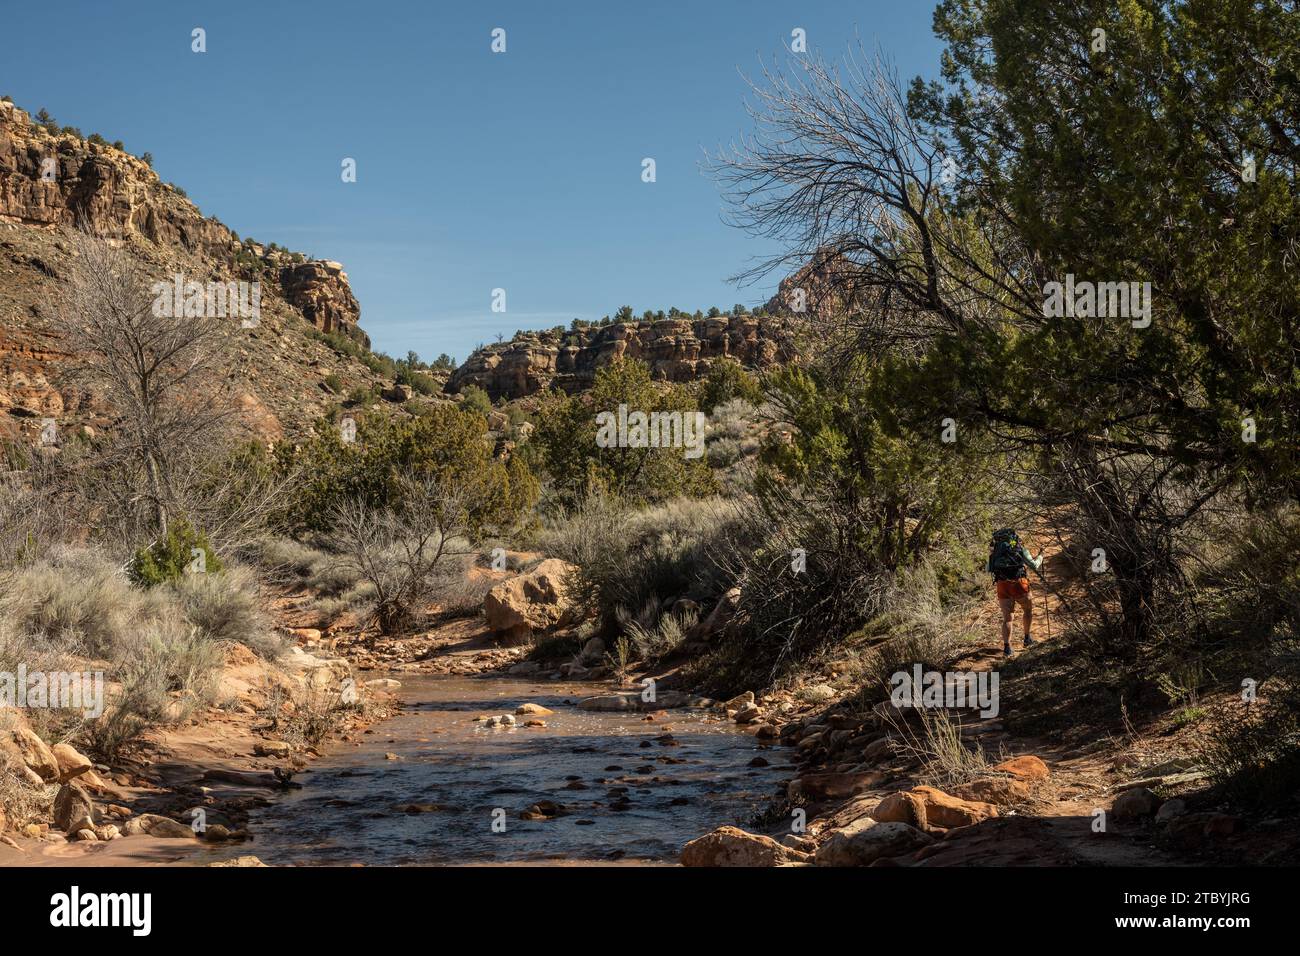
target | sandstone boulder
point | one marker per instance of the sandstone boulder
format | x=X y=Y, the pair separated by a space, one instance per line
x=1192 y=830
x=632 y=701
x=593 y=652
x=1027 y=767
x=865 y=841
x=531 y=709
x=718 y=619
x=1134 y=804
x=945 y=810
x=999 y=791
x=902 y=807
x=836 y=786
x=73 y=811
x=71 y=764
x=1171 y=809
x=35 y=753
x=529 y=603
x=731 y=846
x=164 y=828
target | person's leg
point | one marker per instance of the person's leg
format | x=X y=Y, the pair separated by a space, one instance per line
x=1028 y=606
x=1006 y=606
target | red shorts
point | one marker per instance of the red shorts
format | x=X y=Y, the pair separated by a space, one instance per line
x=1013 y=590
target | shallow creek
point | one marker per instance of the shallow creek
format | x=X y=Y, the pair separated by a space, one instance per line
x=630 y=790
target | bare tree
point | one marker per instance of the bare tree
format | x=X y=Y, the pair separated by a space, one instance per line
x=839 y=173
x=400 y=549
x=157 y=368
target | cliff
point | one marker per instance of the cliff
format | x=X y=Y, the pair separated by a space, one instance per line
x=676 y=350
x=52 y=182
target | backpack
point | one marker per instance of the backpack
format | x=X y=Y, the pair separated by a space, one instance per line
x=1005 y=558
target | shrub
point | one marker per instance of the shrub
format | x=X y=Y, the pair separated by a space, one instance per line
x=225 y=609
x=334 y=383
x=75 y=599
x=168 y=674
x=173 y=555
x=728 y=380
x=288 y=554
x=723 y=453
x=652 y=633
x=564 y=440
x=627 y=559
x=1253 y=754
x=474 y=399
x=399 y=548
x=363 y=395
x=444 y=444
x=21 y=802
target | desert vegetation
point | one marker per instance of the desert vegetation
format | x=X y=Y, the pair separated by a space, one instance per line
x=831 y=529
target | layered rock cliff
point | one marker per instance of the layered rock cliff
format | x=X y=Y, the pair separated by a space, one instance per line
x=676 y=350
x=52 y=182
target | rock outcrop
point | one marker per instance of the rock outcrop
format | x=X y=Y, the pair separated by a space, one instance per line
x=828 y=284
x=321 y=292
x=48 y=180
x=51 y=182
x=676 y=350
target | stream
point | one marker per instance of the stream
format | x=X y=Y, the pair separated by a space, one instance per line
x=629 y=790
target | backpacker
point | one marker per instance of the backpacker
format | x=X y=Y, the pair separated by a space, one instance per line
x=1006 y=560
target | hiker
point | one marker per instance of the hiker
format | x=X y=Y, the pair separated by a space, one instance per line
x=1009 y=563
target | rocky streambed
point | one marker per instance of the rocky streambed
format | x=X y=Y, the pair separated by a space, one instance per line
x=553 y=784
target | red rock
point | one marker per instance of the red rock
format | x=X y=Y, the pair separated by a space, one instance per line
x=945 y=810
x=902 y=807
x=838 y=786
x=731 y=846
x=1027 y=767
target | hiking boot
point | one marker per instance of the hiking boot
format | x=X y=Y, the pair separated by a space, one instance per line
x=1029 y=641
x=1006 y=650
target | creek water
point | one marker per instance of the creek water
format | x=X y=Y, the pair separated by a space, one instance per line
x=629 y=790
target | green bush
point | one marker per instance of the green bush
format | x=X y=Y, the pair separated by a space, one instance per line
x=565 y=442
x=727 y=379
x=846 y=499
x=474 y=399
x=363 y=395
x=168 y=558
x=444 y=443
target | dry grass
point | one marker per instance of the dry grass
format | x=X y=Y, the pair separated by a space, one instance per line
x=935 y=742
x=306 y=718
x=21 y=801
x=160 y=649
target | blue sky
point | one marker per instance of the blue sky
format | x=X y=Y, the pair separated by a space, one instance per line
x=475 y=170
